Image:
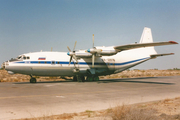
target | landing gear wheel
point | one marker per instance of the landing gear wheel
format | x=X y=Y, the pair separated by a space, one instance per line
x=92 y=78
x=33 y=80
x=96 y=78
x=75 y=78
x=81 y=78
x=87 y=79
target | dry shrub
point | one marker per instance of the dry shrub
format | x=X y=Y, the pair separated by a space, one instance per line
x=166 y=101
x=67 y=116
x=132 y=113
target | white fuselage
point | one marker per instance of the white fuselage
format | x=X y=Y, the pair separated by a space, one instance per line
x=57 y=63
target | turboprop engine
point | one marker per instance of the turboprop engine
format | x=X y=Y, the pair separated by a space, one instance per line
x=93 y=52
x=103 y=51
x=80 y=53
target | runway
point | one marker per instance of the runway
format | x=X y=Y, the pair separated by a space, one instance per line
x=24 y=100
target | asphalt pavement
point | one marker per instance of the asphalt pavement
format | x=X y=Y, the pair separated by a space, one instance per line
x=25 y=100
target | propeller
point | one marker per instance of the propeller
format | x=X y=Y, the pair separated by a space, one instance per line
x=93 y=54
x=93 y=40
x=72 y=54
x=93 y=51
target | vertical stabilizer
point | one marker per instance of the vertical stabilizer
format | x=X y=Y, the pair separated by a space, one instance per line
x=146 y=36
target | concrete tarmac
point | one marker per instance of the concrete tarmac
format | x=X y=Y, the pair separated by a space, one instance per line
x=24 y=100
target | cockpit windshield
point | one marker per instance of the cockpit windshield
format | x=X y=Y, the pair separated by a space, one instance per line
x=23 y=57
x=19 y=57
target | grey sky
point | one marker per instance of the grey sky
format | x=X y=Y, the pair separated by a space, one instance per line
x=34 y=25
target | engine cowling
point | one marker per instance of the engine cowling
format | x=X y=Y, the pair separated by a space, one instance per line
x=103 y=51
x=80 y=53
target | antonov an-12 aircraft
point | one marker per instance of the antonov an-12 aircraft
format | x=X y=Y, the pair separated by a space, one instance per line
x=89 y=63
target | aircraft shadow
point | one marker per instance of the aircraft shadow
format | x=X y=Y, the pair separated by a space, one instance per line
x=136 y=80
x=39 y=82
x=128 y=80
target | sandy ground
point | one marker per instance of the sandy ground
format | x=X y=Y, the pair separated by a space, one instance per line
x=168 y=109
x=5 y=77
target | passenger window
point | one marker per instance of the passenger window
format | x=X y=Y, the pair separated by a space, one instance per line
x=28 y=57
x=53 y=62
x=24 y=58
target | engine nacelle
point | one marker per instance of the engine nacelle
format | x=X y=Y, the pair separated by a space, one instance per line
x=94 y=50
x=80 y=53
x=85 y=54
x=103 y=51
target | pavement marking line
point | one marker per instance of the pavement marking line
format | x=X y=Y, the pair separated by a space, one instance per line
x=60 y=96
x=11 y=97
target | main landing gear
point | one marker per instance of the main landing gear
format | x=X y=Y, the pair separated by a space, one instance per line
x=82 y=78
x=79 y=78
x=92 y=78
x=32 y=80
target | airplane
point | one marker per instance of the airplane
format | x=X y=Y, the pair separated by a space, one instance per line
x=89 y=63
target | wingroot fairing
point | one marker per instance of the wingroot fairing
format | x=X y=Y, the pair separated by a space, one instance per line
x=89 y=63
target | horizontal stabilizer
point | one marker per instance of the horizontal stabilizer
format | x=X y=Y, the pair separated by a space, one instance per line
x=157 y=55
x=140 y=45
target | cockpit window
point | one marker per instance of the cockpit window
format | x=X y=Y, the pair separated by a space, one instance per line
x=19 y=57
x=23 y=57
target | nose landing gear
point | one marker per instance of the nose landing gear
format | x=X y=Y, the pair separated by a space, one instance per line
x=32 y=80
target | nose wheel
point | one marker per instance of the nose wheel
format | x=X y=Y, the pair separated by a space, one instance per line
x=33 y=80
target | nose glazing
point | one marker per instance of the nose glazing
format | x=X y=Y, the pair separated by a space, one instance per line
x=3 y=65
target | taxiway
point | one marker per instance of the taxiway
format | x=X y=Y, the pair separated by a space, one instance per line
x=24 y=100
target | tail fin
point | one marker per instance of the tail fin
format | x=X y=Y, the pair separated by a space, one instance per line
x=146 y=36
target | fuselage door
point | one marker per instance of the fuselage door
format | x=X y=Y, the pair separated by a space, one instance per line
x=110 y=63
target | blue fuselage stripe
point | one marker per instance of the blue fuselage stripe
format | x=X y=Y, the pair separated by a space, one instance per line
x=80 y=63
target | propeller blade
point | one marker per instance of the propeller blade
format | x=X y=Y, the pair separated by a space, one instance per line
x=93 y=40
x=69 y=49
x=74 y=45
x=72 y=54
x=70 y=60
x=93 y=57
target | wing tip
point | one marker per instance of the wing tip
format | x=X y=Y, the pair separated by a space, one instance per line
x=173 y=42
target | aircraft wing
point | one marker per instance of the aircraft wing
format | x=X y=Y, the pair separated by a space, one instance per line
x=139 y=45
x=157 y=55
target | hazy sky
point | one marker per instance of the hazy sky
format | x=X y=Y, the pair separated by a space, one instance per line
x=35 y=25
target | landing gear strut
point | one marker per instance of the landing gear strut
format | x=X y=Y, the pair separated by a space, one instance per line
x=75 y=78
x=33 y=80
x=79 y=78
